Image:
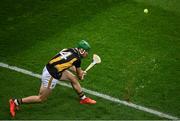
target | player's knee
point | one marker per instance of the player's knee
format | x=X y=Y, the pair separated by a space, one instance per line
x=41 y=99
x=74 y=80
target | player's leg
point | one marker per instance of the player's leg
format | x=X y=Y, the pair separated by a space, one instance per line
x=44 y=92
x=48 y=83
x=42 y=96
x=67 y=75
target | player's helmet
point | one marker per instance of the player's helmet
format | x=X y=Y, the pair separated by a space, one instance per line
x=84 y=45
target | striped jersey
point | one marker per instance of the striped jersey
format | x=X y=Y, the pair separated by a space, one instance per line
x=62 y=61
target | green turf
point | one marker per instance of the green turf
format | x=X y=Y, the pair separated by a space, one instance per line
x=140 y=53
x=62 y=104
x=169 y=5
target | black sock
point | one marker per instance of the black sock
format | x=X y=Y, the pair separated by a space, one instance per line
x=81 y=95
x=18 y=101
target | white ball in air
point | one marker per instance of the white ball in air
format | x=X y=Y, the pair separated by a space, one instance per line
x=146 y=10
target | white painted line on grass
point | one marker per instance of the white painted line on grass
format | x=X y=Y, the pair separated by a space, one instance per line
x=104 y=96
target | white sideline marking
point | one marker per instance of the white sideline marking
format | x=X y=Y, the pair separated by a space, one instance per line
x=104 y=96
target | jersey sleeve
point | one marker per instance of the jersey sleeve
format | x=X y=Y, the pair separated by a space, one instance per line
x=77 y=63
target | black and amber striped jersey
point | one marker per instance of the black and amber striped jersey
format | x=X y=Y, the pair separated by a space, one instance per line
x=62 y=61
